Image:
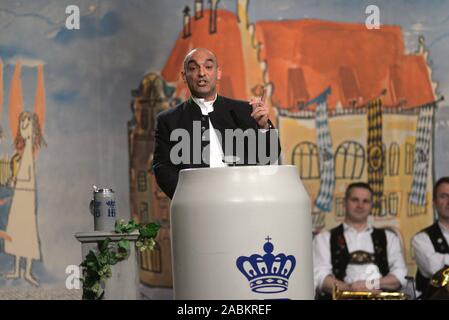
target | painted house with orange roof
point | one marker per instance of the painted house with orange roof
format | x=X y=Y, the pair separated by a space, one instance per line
x=347 y=59
x=358 y=65
x=373 y=97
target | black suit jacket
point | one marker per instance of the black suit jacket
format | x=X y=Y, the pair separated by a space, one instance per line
x=227 y=114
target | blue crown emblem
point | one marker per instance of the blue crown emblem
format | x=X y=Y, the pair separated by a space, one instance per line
x=267 y=273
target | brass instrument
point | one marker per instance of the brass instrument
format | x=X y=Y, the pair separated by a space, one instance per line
x=439 y=285
x=366 y=295
x=441 y=278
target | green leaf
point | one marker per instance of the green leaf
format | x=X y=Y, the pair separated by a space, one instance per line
x=119 y=224
x=102 y=259
x=103 y=245
x=132 y=225
x=91 y=256
x=149 y=230
x=122 y=227
x=114 y=259
x=121 y=256
x=91 y=265
x=123 y=244
x=89 y=282
x=90 y=262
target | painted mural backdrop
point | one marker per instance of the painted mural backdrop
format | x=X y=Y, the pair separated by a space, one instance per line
x=350 y=103
x=78 y=106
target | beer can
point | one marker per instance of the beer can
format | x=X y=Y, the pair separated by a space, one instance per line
x=103 y=209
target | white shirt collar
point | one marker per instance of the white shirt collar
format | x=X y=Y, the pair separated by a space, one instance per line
x=206 y=106
x=368 y=228
x=443 y=228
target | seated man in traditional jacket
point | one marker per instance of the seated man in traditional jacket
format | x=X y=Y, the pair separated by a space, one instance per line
x=431 y=244
x=355 y=256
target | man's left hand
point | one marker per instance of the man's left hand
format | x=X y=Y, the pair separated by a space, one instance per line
x=260 y=111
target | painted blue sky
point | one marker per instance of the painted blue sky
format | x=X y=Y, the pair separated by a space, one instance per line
x=90 y=73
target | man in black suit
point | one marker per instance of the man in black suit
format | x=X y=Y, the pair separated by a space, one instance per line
x=209 y=130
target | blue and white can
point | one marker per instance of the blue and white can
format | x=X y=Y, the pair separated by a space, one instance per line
x=103 y=209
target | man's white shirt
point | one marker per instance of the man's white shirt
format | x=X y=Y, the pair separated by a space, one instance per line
x=355 y=241
x=428 y=260
x=215 y=149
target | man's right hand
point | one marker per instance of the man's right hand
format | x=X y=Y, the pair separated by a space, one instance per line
x=361 y=286
x=260 y=111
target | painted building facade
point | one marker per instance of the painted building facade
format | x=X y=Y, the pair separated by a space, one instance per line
x=300 y=60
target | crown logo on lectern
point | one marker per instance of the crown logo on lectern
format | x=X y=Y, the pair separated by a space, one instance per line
x=267 y=273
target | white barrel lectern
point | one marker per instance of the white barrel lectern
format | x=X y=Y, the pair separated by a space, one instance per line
x=241 y=233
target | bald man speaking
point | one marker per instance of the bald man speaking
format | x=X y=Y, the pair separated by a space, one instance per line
x=209 y=130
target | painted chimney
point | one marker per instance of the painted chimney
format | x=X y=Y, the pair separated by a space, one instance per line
x=198 y=9
x=213 y=16
x=186 y=22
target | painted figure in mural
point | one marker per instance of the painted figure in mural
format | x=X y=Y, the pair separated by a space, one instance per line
x=22 y=221
x=355 y=256
x=212 y=113
x=431 y=245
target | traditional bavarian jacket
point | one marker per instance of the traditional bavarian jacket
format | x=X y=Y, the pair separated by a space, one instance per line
x=431 y=253
x=351 y=255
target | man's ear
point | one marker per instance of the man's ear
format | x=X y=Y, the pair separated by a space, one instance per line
x=183 y=75
x=218 y=73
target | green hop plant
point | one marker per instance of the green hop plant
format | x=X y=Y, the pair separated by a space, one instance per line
x=97 y=266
